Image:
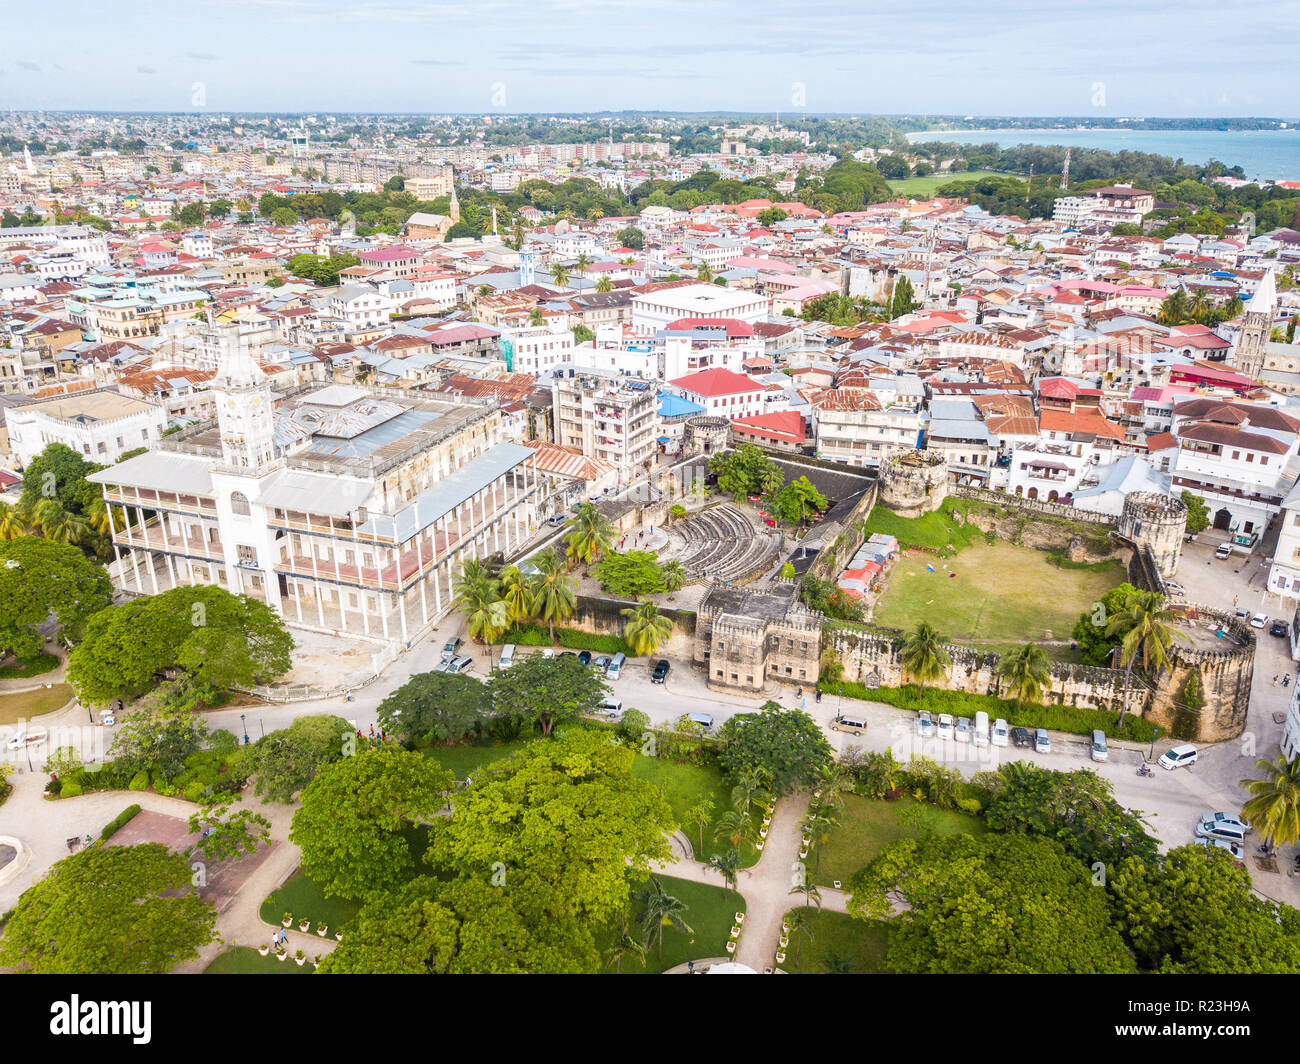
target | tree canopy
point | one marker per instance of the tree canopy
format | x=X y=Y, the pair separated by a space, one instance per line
x=787 y=746
x=353 y=815
x=284 y=762
x=989 y=904
x=437 y=706
x=39 y=577
x=215 y=640
x=109 y=910
x=542 y=691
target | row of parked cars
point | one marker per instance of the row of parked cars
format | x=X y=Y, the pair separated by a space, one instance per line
x=981 y=733
x=1223 y=831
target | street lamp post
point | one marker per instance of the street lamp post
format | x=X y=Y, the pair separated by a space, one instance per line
x=1154 y=736
x=245 y=727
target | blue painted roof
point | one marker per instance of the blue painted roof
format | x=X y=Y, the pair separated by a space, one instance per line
x=675 y=406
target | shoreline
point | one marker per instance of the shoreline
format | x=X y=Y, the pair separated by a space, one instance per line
x=1094 y=129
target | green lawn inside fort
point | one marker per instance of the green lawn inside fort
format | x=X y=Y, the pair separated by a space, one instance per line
x=999 y=595
x=925 y=187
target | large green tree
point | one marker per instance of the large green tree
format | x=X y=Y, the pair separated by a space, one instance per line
x=543 y=691
x=1193 y=912
x=109 y=910
x=350 y=827
x=39 y=577
x=284 y=762
x=786 y=746
x=1077 y=809
x=437 y=706
x=988 y=904
x=215 y=640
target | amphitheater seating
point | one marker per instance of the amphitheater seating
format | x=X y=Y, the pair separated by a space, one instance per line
x=722 y=544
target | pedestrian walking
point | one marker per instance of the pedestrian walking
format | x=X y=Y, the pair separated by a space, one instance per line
x=1274 y=681
x=372 y=731
x=690 y=967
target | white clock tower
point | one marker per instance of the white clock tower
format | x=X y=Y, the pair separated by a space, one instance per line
x=244 y=418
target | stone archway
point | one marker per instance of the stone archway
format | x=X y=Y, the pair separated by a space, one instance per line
x=1033 y=493
x=1223 y=519
x=1052 y=495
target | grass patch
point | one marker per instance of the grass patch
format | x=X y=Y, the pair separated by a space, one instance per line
x=306 y=901
x=37 y=666
x=840 y=944
x=710 y=912
x=925 y=187
x=1001 y=593
x=244 y=960
x=685 y=786
x=866 y=827
x=461 y=761
x=936 y=531
x=27 y=704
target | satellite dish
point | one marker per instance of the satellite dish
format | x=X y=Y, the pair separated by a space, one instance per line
x=561 y=227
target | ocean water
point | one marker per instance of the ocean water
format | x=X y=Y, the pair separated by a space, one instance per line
x=1272 y=154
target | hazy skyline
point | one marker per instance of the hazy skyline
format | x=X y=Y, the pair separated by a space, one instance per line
x=1109 y=58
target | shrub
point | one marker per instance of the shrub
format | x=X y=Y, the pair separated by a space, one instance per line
x=534 y=635
x=110 y=829
x=1073 y=719
x=970 y=805
x=167 y=790
x=195 y=791
x=70 y=789
x=139 y=782
x=54 y=787
x=223 y=742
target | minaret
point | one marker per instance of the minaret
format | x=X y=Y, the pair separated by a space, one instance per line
x=453 y=211
x=1065 y=170
x=244 y=416
x=1256 y=327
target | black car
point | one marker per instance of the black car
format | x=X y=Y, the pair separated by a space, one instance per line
x=660 y=671
x=567 y=654
x=584 y=658
x=1278 y=628
x=1022 y=737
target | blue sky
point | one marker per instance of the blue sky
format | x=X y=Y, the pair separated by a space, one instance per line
x=996 y=57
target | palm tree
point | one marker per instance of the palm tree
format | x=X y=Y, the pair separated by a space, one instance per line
x=97 y=516
x=673 y=575
x=1148 y=632
x=604 y=285
x=923 y=655
x=817 y=823
x=751 y=784
x=1274 y=802
x=625 y=944
x=734 y=826
x=553 y=597
x=728 y=864
x=799 y=923
x=590 y=534
x=517 y=593
x=1173 y=310
x=478 y=596
x=582 y=264
x=704 y=274
x=645 y=630
x=771 y=480
x=659 y=910
x=811 y=895
x=54 y=522
x=1027 y=671
x=559 y=275
x=13 y=523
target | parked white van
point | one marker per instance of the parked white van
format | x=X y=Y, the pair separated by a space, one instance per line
x=507 y=656
x=1000 y=732
x=615 y=667
x=1098 y=751
x=981 y=735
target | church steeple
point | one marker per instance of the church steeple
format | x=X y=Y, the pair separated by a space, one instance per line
x=453 y=211
x=1256 y=327
x=244 y=416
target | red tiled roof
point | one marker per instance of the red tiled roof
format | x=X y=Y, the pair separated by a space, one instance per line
x=715 y=382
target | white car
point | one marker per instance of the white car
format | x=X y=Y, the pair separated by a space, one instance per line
x=999 y=732
x=963 y=729
x=1233 y=848
x=1259 y=620
x=1213 y=820
x=945 y=725
x=924 y=725
x=1178 y=757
